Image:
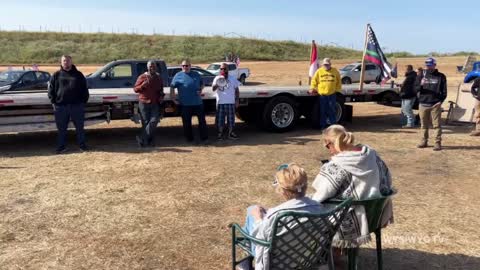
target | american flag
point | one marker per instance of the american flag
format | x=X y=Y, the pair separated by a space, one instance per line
x=375 y=55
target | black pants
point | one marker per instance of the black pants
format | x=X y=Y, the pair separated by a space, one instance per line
x=187 y=113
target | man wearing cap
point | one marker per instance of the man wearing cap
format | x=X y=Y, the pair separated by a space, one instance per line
x=149 y=87
x=431 y=87
x=476 y=95
x=325 y=83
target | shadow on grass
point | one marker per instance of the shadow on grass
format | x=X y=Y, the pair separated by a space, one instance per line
x=402 y=259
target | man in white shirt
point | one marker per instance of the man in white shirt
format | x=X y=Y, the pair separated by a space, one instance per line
x=226 y=89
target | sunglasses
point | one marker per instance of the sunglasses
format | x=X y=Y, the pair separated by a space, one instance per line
x=279 y=168
x=223 y=69
x=185 y=65
x=327 y=145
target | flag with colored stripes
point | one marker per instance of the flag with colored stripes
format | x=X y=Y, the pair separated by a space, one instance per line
x=313 y=60
x=375 y=55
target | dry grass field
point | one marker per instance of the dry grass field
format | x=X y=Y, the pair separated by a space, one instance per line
x=121 y=207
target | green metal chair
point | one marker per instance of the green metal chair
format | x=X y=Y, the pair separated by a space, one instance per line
x=374 y=210
x=299 y=240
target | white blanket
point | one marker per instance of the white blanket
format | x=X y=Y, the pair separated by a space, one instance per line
x=358 y=175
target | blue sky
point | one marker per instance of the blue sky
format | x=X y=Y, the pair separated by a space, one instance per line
x=414 y=26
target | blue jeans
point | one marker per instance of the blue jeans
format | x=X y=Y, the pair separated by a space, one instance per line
x=150 y=116
x=187 y=113
x=407 y=111
x=327 y=110
x=250 y=224
x=63 y=114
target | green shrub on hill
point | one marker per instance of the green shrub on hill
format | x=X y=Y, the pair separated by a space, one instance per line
x=98 y=48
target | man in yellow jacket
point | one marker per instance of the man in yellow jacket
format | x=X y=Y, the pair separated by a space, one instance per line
x=326 y=83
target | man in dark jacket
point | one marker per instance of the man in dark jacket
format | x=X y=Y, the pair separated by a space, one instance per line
x=431 y=87
x=149 y=87
x=68 y=93
x=408 y=95
x=476 y=95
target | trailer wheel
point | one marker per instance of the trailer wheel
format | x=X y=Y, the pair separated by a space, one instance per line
x=280 y=114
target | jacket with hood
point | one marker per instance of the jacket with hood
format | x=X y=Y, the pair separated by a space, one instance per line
x=358 y=175
x=68 y=87
x=434 y=88
x=408 y=86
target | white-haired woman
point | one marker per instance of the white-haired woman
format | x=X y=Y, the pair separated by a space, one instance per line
x=291 y=184
x=354 y=171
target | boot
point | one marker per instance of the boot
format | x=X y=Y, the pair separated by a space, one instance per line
x=438 y=146
x=423 y=144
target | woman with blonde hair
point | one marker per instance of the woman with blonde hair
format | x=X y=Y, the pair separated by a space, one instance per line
x=354 y=171
x=291 y=184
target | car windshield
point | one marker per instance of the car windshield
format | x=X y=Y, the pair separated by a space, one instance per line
x=348 y=67
x=213 y=67
x=10 y=76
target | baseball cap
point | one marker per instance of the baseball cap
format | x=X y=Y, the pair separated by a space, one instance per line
x=326 y=61
x=430 y=62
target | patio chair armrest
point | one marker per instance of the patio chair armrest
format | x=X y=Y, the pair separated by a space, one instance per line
x=249 y=237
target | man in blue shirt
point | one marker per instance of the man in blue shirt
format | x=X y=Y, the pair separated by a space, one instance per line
x=189 y=85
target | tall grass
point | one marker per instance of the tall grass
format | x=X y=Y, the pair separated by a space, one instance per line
x=98 y=48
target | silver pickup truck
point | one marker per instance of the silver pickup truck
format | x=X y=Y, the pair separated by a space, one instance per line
x=241 y=73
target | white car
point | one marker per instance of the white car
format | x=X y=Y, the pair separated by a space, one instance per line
x=240 y=73
x=351 y=73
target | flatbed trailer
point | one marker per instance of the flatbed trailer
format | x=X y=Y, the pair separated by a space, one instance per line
x=275 y=108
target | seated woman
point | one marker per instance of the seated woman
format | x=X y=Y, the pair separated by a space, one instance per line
x=357 y=172
x=291 y=184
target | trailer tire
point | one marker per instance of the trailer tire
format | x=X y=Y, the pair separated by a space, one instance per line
x=280 y=114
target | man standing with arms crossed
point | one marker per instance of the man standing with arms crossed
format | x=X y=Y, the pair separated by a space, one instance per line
x=431 y=87
x=325 y=83
x=68 y=93
x=189 y=85
x=149 y=87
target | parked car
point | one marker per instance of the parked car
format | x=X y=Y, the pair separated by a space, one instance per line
x=207 y=77
x=351 y=73
x=19 y=80
x=473 y=74
x=240 y=73
x=123 y=74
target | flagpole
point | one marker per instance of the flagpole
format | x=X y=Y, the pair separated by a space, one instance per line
x=311 y=51
x=362 y=71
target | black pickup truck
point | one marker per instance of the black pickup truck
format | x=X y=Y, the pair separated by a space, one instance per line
x=123 y=74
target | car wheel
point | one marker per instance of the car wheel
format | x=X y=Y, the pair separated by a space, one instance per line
x=280 y=114
x=346 y=80
x=243 y=78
